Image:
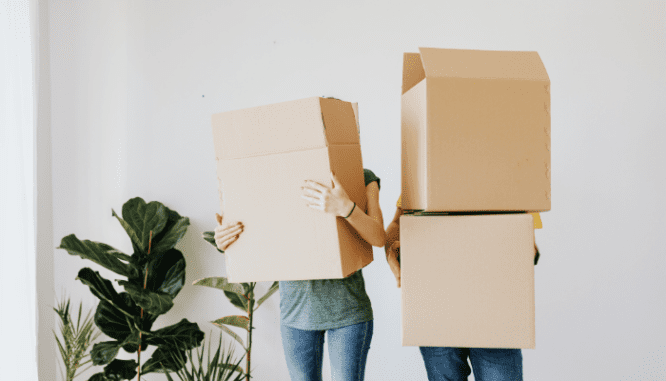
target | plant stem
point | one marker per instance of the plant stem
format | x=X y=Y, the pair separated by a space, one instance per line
x=250 y=314
x=145 y=282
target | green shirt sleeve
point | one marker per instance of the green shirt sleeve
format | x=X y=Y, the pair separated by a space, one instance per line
x=370 y=177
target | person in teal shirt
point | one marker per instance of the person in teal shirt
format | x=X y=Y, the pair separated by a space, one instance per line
x=338 y=309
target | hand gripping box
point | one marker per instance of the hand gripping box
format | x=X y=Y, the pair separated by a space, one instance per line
x=475 y=131
x=468 y=280
x=264 y=155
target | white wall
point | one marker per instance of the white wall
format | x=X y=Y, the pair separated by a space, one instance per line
x=134 y=84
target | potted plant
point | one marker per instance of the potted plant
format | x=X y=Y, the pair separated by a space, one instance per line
x=242 y=296
x=155 y=274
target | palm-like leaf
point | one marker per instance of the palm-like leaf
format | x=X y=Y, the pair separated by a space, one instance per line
x=76 y=338
x=229 y=332
x=202 y=367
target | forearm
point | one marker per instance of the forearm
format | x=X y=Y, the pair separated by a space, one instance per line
x=369 y=228
x=393 y=230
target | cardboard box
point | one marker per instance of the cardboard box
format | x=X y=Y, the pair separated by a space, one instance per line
x=475 y=131
x=264 y=155
x=468 y=281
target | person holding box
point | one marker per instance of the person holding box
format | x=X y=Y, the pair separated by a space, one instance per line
x=449 y=363
x=337 y=308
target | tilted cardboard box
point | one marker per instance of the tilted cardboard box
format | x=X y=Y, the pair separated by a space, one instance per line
x=468 y=281
x=475 y=131
x=264 y=155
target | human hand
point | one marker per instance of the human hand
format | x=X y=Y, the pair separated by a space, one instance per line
x=226 y=234
x=330 y=200
x=393 y=259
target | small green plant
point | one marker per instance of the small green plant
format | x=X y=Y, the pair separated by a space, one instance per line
x=75 y=339
x=242 y=296
x=221 y=367
x=155 y=274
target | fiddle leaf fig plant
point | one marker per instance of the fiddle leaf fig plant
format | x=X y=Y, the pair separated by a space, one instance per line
x=155 y=275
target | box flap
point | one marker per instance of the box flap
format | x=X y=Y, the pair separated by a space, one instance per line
x=282 y=127
x=484 y=64
x=339 y=121
x=412 y=71
x=355 y=108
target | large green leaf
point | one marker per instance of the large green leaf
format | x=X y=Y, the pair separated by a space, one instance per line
x=113 y=320
x=119 y=370
x=173 y=231
x=143 y=218
x=221 y=283
x=99 y=253
x=118 y=254
x=139 y=260
x=98 y=377
x=132 y=341
x=184 y=335
x=134 y=237
x=100 y=287
x=155 y=303
x=229 y=332
x=166 y=272
x=104 y=352
x=235 y=321
x=164 y=358
x=210 y=238
x=274 y=287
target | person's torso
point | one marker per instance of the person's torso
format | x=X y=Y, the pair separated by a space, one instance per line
x=326 y=303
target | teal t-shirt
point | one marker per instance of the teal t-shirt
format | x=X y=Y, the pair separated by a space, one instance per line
x=323 y=304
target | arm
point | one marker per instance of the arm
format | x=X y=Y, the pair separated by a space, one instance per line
x=392 y=246
x=334 y=200
x=371 y=225
x=393 y=230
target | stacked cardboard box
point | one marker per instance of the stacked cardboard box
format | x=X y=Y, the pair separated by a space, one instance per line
x=264 y=154
x=475 y=158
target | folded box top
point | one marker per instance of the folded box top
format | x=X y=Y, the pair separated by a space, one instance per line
x=284 y=127
x=460 y=63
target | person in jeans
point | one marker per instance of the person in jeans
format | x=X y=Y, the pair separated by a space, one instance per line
x=338 y=309
x=450 y=363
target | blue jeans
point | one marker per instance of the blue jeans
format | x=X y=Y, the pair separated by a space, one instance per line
x=347 y=349
x=450 y=364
